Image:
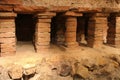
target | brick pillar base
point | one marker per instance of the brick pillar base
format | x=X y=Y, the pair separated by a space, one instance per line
x=7 y=33
x=70 y=34
x=113 y=37
x=42 y=33
x=95 y=31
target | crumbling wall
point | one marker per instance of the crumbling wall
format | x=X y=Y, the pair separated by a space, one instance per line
x=59 y=5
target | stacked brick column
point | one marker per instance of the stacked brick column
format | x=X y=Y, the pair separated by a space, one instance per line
x=7 y=33
x=113 y=37
x=96 y=24
x=70 y=34
x=42 y=34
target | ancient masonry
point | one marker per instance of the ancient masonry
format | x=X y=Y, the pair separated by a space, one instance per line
x=101 y=26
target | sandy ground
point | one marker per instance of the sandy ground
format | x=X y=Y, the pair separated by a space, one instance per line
x=26 y=54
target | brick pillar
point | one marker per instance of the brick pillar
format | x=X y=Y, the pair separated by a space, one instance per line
x=7 y=33
x=96 y=24
x=70 y=34
x=42 y=33
x=113 y=37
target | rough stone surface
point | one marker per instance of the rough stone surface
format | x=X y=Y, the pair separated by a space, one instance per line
x=15 y=71
x=4 y=74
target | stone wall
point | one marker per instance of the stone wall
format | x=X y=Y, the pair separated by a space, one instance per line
x=59 y=5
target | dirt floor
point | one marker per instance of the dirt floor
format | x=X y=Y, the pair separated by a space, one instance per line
x=81 y=63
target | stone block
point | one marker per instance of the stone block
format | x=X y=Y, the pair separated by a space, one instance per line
x=7 y=30
x=7 y=40
x=70 y=34
x=70 y=39
x=43 y=29
x=7 y=35
x=44 y=20
x=6 y=8
x=71 y=29
x=7 y=15
x=43 y=39
x=29 y=70
x=43 y=25
x=99 y=20
x=15 y=71
x=44 y=34
x=71 y=13
x=72 y=44
x=7 y=24
x=46 y=14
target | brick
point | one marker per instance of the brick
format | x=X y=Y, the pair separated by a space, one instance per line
x=44 y=20
x=42 y=35
x=7 y=15
x=70 y=39
x=72 y=44
x=7 y=35
x=7 y=25
x=43 y=29
x=71 y=13
x=46 y=14
x=7 y=30
x=99 y=20
x=43 y=25
x=42 y=43
x=70 y=34
x=7 y=40
x=6 y=8
x=71 y=29
x=44 y=39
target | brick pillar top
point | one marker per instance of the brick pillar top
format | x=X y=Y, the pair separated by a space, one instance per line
x=7 y=15
x=45 y=15
x=72 y=14
x=97 y=14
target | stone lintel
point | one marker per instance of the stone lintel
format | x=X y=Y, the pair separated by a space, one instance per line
x=59 y=8
x=6 y=8
x=29 y=9
x=74 y=14
x=7 y=15
x=86 y=10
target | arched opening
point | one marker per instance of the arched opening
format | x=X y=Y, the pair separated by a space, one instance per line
x=25 y=29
